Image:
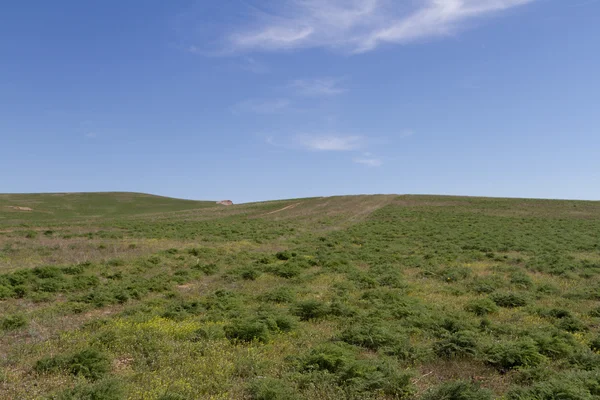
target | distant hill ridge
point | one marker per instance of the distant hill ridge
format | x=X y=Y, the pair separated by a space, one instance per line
x=105 y=204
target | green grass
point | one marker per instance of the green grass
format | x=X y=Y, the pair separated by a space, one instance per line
x=56 y=207
x=130 y=296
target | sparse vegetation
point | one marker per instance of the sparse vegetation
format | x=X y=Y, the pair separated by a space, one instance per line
x=125 y=296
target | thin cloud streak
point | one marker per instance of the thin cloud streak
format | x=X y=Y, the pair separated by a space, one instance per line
x=358 y=26
x=369 y=162
x=329 y=142
x=317 y=87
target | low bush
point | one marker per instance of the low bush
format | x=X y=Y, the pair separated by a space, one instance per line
x=110 y=389
x=595 y=344
x=330 y=357
x=271 y=389
x=285 y=270
x=556 y=344
x=521 y=280
x=571 y=324
x=6 y=292
x=12 y=322
x=207 y=269
x=576 y=385
x=456 y=345
x=487 y=284
x=310 y=309
x=247 y=330
x=458 y=390
x=454 y=273
x=508 y=355
x=357 y=376
x=281 y=294
x=172 y=396
x=509 y=300
x=482 y=307
x=89 y=363
x=370 y=334
x=248 y=273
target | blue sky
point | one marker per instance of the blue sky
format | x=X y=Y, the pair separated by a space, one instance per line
x=255 y=100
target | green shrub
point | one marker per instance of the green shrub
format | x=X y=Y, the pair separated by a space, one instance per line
x=571 y=324
x=6 y=292
x=223 y=303
x=12 y=322
x=387 y=275
x=247 y=330
x=248 y=273
x=509 y=300
x=271 y=389
x=84 y=282
x=380 y=376
x=521 y=280
x=547 y=288
x=74 y=269
x=556 y=344
x=487 y=284
x=340 y=308
x=357 y=376
x=209 y=332
x=458 y=390
x=454 y=274
x=207 y=269
x=330 y=357
x=310 y=309
x=286 y=270
x=47 y=272
x=363 y=280
x=281 y=294
x=284 y=255
x=172 y=396
x=284 y=323
x=180 y=310
x=89 y=363
x=482 y=307
x=456 y=345
x=578 y=385
x=595 y=344
x=104 y=390
x=370 y=334
x=337 y=263
x=508 y=355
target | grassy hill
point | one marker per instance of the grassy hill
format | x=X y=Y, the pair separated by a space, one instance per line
x=60 y=206
x=130 y=296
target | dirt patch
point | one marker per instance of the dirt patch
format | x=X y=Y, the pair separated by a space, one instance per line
x=21 y=208
x=225 y=202
x=282 y=209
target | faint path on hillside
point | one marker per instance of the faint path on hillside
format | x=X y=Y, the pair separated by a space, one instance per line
x=283 y=209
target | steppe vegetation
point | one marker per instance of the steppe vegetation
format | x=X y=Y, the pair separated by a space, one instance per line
x=129 y=296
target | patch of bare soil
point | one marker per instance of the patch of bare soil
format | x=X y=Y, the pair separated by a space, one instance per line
x=21 y=208
x=282 y=209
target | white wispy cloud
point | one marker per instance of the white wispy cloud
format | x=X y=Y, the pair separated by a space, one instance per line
x=330 y=142
x=317 y=87
x=262 y=106
x=252 y=65
x=369 y=162
x=359 y=25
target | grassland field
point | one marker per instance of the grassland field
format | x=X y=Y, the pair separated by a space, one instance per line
x=112 y=296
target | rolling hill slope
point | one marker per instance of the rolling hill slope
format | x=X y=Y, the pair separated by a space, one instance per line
x=118 y=296
x=58 y=206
